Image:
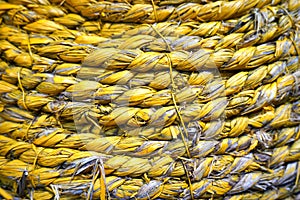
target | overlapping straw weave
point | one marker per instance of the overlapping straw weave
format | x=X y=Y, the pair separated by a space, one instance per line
x=150 y=99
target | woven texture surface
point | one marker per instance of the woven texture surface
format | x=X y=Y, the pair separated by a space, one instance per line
x=150 y=99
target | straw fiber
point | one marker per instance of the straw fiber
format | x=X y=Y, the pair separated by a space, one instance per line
x=150 y=99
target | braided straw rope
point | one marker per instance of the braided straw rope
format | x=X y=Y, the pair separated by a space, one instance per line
x=209 y=111
x=159 y=80
x=116 y=145
x=139 y=188
x=252 y=22
x=35 y=16
x=147 y=13
x=94 y=109
x=189 y=43
x=225 y=59
x=284 y=115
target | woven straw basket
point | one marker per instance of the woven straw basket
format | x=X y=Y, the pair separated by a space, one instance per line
x=150 y=99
